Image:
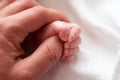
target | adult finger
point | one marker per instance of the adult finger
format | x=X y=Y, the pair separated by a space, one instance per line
x=33 y=19
x=17 y=6
x=42 y=59
x=4 y=3
x=55 y=28
x=30 y=20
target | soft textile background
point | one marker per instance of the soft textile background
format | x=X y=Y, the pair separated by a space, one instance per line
x=100 y=24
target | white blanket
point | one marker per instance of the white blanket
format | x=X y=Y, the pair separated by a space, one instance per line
x=99 y=55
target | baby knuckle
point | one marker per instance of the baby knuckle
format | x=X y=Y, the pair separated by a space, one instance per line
x=77 y=26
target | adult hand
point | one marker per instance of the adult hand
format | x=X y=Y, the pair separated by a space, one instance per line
x=18 y=20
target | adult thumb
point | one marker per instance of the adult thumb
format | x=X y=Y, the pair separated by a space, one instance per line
x=46 y=56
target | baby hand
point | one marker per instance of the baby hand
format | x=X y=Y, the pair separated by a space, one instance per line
x=69 y=33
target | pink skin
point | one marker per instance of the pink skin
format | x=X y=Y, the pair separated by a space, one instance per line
x=68 y=33
x=28 y=48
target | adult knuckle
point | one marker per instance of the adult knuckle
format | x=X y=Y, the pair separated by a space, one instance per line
x=54 y=52
x=52 y=55
x=7 y=27
x=9 y=24
x=1 y=23
x=2 y=26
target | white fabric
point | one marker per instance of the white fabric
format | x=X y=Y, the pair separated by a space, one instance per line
x=99 y=55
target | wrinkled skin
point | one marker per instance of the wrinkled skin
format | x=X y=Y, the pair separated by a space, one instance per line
x=26 y=53
x=69 y=33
